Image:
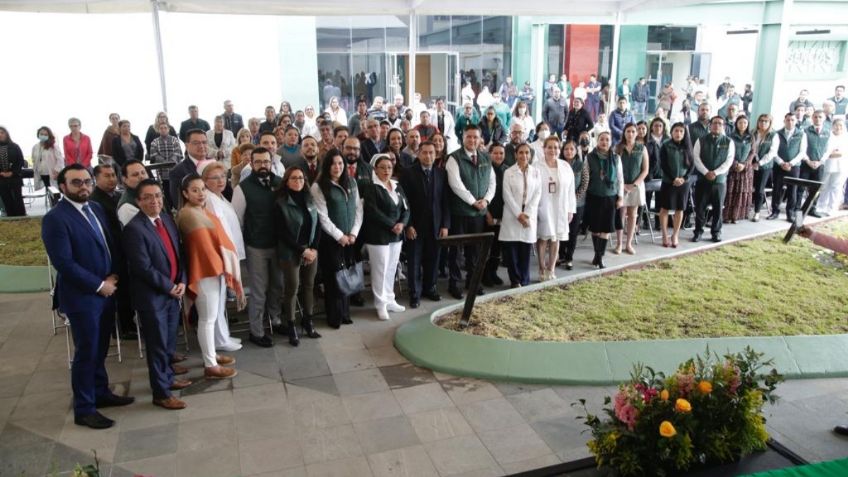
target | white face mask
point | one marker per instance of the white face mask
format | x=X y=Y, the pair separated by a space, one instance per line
x=521 y=110
x=544 y=134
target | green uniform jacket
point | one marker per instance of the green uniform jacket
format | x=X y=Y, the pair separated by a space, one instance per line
x=382 y=213
x=289 y=221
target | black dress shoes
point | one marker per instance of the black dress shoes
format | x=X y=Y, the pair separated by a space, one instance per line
x=264 y=341
x=456 y=293
x=773 y=216
x=432 y=295
x=841 y=430
x=696 y=237
x=114 y=401
x=94 y=421
x=414 y=303
x=347 y=321
x=717 y=238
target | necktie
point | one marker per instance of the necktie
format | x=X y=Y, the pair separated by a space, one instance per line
x=312 y=170
x=474 y=160
x=169 y=247
x=351 y=171
x=92 y=221
x=427 y=173
x=265 y=183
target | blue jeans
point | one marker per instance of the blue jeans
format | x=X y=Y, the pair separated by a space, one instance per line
x=639 y=110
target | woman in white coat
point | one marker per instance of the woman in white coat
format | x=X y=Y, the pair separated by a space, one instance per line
x=556 y=207
x=835 y=169
x=337 y=114
x=522 y=190
x=47 y=158
x=220 y=142
x=521 y=115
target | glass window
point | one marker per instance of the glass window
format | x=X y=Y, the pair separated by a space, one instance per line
x=672 y=38
x=556 y=39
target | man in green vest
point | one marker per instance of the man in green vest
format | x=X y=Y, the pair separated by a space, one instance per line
x=473 y=184
x=818 y=137
x=253 y=201
x=840 y=102
x=790 y=153
x=701 y=127
x=713 y=155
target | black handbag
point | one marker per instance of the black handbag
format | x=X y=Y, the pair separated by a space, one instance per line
x=350 y=279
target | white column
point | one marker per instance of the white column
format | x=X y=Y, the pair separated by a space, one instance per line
x=613 y=78
x=160 y=56
x=413 y=46
x=537 y=68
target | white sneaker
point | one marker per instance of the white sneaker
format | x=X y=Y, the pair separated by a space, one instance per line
x=395 y=308
x=229 y=347
x=235 y=340
x=382 y=314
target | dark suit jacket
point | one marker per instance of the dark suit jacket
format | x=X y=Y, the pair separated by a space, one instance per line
x=110 y=208
x=148 y=263
x=433 y=211
x=175 y=177
x=78 y=256
x=120 y=156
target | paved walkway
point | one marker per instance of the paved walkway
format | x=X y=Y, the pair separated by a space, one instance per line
x=347 y=405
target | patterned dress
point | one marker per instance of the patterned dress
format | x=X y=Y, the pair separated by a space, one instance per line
x=740 y=185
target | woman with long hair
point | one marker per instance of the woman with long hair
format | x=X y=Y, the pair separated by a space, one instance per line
x=491 y=128
x=109 y=134
x=47 y=159
x=340 y=214
x=556 y=207
x=126 y=146
x=213 y=266
x=77 y=146
x=297 y=250
x=605 y=194
x=11 y=180
x=740 y=178
x=580 y=172
x=244 y=136
x=440 y=144
x=521 y=115
x=676 y=163
x=634 y=163
x=522 y=190
x=765 y=145
x=641 y=132
x=153 y=130
x=337 y=114
x=394 y=145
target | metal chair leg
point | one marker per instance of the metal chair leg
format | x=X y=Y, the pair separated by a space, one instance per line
x=138 y=335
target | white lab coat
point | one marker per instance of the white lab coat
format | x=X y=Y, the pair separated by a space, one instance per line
x=554 y=208
x=513 y=197
x=228 y=143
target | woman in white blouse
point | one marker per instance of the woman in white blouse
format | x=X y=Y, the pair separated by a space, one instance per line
x=557 y=205
x=521 y=115
x=47 y=158
x=220 y=142
x=215 y=178
x=337 y=114
x=522 y=190
x=835 y=169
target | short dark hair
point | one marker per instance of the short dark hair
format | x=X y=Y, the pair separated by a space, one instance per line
x=426 y=143
x=131 y=162
x=100 y=167
x=307 y=137
x=260 y=150
x=73 y=167
x=470 y=127
x=192 y=132
x=146 y=183
x=267 y=133
x=338 y=129
x=717 y=117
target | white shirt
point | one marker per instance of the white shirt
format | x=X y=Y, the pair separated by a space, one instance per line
x=555 y=207
x=457 y=186
x=772 y=152
x=126 y=212
x=327 y=225
x=723 y=168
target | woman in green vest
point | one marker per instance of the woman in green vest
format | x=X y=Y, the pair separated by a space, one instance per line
x=387 y=213
x=296 y=220
x=740 y=178
x=676 y=164
x=765 y=144
x=605 y=194
x=340 y=215
x=581 y=184
x=634 y=168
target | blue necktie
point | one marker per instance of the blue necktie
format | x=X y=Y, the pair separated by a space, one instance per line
x=92 y=221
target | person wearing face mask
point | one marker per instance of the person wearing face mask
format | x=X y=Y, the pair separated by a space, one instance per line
x=543 y=131
x=521 y=116
x=468 y=116
x=581 y=183
x=584 y=145
x=47 y=159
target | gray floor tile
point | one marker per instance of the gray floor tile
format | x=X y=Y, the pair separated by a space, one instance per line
x=467 y=390
x=514 y=444
x=408 y=462
x=380 y=435
x=304 y=365
x=200 y=385
x=270 y=455
x=424 y=397
x=348 y=467
x=344 y=360
x=146 y=443
x=406 y=375
x=42 y=404
x=64 y=458
x=360 y=382
x=461 y=454
x=540 y=405
x=563 y=435
x=322 y=384
x=263 y=396
x=491 y=414
x=440 y=424
x=332 y=443
x=12 y=385
x=508 y=389
x=264 y=424
x=221 y=461
x=26 y=460
x=161 y=466
x=206 y=433
x=386 y=356
x=364 y=407
x=530 y=464
x=202 y=406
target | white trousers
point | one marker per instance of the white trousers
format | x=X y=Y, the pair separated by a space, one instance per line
x=831 y=195
x=211 y=302
x=383 y=260
x=222 y=327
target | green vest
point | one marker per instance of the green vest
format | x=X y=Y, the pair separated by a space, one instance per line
x=631 y=163
x=697 y=131
x=258 y=222
x=817 y=143
x=714 y=153
x=128 y=197
x=742 y=145
x=341 y=205
x=673 y=161
x=789 y=149
x=475 y=179
x=381 y=214
x=292 y=219
x=577 y=169
x=603 y=176
x=764 y=149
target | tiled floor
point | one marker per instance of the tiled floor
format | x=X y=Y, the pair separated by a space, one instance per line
x=344 y=405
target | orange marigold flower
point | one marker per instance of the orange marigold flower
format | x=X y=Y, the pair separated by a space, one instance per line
x=667 y=429
x=705 y=387
x=682 y=405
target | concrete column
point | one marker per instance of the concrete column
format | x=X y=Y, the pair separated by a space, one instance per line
x=298 y=47
x=770 y=63
x=538 y=64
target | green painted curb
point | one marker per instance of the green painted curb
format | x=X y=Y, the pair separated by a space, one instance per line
x=21 y=279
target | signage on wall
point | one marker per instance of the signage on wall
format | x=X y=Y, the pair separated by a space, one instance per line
x=814 y=57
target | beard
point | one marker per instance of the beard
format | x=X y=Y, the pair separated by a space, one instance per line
x=263 y=173
x=80 y=196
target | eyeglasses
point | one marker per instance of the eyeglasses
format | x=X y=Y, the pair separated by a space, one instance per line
x=81 y=182
x=260 y=162
x=297 y=178
x=149 y=197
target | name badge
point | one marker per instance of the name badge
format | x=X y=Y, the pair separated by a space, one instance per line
x=552 y=187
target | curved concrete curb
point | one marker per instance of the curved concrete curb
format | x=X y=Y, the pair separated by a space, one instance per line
x=21 y=279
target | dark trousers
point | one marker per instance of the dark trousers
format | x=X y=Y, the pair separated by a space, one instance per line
x=761 y=178
x=494 y=260
x=333 y=258
x=777 y=194
x=567 y=248
x=464 y=225
x=810 y=174
x=422 y=253
x=92 y=331
x=709 y=193
x=516 y=255
x=159 y=328
x=12 y=197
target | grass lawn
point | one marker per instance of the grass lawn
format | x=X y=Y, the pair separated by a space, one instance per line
x=755 y=288
x=20 y=242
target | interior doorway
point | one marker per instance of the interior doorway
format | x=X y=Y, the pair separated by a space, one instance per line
x=436 y=76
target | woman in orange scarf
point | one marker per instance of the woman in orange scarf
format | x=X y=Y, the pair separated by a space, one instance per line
x=213 y=266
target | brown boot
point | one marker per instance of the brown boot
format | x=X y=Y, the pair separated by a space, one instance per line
x=224 y=360
x=219 y=372
x=170 y=403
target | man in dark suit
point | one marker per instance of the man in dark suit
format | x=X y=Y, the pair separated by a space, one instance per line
x=196 y=150
x=357 y=168
x=76 y=235
x=106 y=194
x=158 y=273
x=426 y=189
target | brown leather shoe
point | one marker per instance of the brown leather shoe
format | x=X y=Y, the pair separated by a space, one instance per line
x=219 y=372
x=170 y=403
x=179 y=369
x=178 y=358
x=180 y=384
x=225 y=360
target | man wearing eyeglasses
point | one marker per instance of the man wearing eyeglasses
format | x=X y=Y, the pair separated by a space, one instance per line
x=77 y=239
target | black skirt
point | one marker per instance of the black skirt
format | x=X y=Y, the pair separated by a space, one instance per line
x=600 y=213
x=674 y=198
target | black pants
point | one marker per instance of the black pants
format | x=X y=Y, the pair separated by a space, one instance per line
x=566 y=249
x=777 y=194
x=494 y=260
x=464 y=225
x=12 y=197
x=761 y=178
x=516 y=255
x=709 y=193
x=333 y=257
x=810 y=174
x=423 y=252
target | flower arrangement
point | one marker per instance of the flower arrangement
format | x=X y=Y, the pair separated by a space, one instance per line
x=708 y=412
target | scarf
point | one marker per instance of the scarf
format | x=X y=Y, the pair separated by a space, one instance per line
x=607 y=162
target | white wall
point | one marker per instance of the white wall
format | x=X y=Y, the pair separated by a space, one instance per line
x=731 y=55
x=438 y=75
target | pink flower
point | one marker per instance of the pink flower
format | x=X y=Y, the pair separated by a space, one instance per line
x=628 y=414
x=685 y=383
x=647 y=393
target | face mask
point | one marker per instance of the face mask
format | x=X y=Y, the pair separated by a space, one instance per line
x=544 y=134
x=584 y=142
x=42 y=137
x=521 y=110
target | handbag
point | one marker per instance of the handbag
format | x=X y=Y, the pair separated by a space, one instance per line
x=350 y=279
